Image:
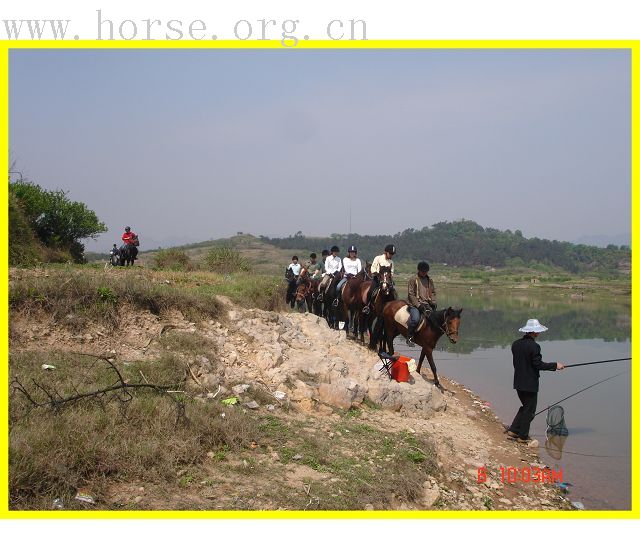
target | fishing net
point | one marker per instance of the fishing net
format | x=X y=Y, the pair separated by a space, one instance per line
x=555 y=422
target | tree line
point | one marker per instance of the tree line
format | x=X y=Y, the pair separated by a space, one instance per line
x=466 y=243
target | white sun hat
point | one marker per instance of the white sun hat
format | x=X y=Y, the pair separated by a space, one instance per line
x=533 y=325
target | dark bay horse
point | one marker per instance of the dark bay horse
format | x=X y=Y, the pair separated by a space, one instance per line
x=128 y=253
x=306 y=292
x=352 y=304
x=386 y=293
x=446 y=321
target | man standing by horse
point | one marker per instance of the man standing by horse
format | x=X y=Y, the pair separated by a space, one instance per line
x=421 y=298
x=352 y=266
x=384 y=260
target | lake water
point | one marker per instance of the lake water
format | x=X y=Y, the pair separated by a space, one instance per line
x=596 y=456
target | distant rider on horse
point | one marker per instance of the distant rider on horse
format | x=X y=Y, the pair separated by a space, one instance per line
x=114 y=255
x=352 y=266
x=292 y=273
x=386 y=259
x=332 y=267
x=128 y=237
x=421 y=298
x=131 y=243
x=314 y=268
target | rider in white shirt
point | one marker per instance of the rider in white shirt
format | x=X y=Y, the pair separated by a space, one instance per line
x=386 y=260
x=352 y=266
x=332 y=266
x=294 y=267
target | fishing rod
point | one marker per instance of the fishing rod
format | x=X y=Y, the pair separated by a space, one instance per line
x=580 y=391
x=600 y=362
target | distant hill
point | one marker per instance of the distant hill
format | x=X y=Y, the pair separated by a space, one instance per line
x=466 y=243
x=462 y=243
x=618 y=239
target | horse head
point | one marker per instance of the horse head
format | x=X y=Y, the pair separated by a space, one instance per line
x=385 y=280
x=367 y=270
x=451 y=323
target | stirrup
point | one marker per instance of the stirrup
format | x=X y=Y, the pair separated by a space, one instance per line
x=335 y=302
x=320 y=296
x=366 y=310
x=410 y=342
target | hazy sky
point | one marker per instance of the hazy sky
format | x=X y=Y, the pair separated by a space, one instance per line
x=188 y=145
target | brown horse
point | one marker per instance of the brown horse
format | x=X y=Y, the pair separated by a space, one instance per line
x=306 y=291
x=446 y=321
x=385 y=294
x=352 y=303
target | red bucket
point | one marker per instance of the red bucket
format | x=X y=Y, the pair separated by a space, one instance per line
x=400 y=369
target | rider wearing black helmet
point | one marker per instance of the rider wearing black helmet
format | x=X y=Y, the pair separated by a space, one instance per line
x=421 y=298
x=352 y=266
x=386 y=260
x=332 y=267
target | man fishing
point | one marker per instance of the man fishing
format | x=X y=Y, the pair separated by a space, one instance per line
x=527 y=363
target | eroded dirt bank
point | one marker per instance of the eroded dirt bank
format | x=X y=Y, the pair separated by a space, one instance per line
x=334 y=424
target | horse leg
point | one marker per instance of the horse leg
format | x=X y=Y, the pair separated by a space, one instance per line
x=422 y=355
x=433 y=366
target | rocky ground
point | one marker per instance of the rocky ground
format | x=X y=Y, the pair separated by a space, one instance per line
x=314 y=383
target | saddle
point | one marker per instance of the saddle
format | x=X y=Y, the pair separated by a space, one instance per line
x=402 y=318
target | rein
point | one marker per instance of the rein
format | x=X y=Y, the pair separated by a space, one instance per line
x=445 y=327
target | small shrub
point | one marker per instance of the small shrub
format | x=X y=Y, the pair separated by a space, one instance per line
x=107 y=295
x=225 y=260
x=173 y=259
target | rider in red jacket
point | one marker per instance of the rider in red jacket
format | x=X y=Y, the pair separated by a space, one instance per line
x=128 y=236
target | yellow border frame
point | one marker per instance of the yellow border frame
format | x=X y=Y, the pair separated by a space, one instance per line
x=633 y=46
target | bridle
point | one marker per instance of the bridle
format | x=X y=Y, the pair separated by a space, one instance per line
x=445 y=328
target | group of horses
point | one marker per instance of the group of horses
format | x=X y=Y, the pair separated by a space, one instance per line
x=380 y=320
x=125 y=256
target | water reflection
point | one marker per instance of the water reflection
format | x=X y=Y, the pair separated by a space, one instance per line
x=490 y=319
x=554 y=446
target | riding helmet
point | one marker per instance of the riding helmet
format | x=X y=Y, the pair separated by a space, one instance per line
x=335 y=249
x=127 y=228
x=390 y=249
x=352 y=249
x=423 y=266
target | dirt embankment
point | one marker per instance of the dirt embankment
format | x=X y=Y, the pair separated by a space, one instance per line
x=334 y=423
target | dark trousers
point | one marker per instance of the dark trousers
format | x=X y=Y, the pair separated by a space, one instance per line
x=526 y=412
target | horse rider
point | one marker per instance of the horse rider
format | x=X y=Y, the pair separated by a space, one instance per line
x=314 y=268
x=128 y=237
x=351 y=266
x=332 y=267
x=421 y=298
x=130 y=240
x=292 y=273
x=386 y=259
x=114 y=254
